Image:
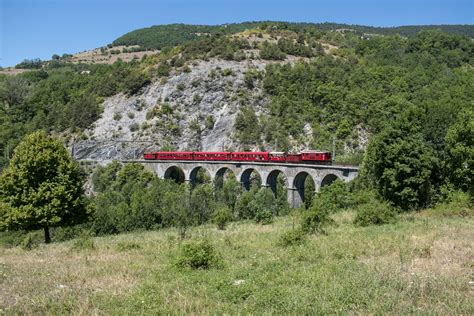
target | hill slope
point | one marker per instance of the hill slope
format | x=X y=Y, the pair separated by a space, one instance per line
x=277 y=86
x=159 y=36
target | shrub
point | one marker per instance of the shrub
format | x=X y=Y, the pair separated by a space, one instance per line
x=163 y=70
x=262 y=206
x=264 y=216
x=242 y=205
x=29 y=242
x=81 y=112
x=134 y=82
x=315 y=220
x=195 y=83
x=126 y=246
x=270 y=51
x=134 y=127
x=375 y=212
x=457 y=204
x=12 y=238
x=197 y=98
x=198 y=255
x=228 y=72
x=292 y=237
x=117 y=116
x=84 y=242
x=209 y=122
x=59 y=234
x=222 y=216
x=334 y=197
x=180 y=86
x=201 y=202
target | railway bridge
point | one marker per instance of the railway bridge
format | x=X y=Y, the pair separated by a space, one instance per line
x=294 y=174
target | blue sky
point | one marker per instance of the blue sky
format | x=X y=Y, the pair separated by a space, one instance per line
x=41 y=28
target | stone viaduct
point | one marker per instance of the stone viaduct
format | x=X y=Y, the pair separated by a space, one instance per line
x=295 y=174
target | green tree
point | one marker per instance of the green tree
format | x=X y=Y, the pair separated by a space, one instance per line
x=262 y=206
x=399 y=164
x=202 y=203
x=460 y=147
x=228 y=192
x=42 y=187
x=281 y=197
x=247 y=126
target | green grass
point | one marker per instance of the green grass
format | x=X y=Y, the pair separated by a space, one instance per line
x=422 y=264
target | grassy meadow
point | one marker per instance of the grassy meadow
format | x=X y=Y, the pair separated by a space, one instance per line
x=421 y=264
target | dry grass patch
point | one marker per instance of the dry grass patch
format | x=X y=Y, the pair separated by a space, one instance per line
x=419 y=265
x=56 y=273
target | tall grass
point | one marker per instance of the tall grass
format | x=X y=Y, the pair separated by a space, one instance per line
x=395 y=268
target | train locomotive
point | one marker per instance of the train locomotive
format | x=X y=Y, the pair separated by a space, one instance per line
x=310 y=156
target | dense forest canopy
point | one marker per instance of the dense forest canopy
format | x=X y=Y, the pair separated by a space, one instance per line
x=160 y=36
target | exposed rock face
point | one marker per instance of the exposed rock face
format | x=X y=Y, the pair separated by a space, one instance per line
x=192 y=110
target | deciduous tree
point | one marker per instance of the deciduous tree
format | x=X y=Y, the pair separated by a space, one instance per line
x=42 y=187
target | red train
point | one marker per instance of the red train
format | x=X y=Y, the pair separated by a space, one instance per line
x=320 y=157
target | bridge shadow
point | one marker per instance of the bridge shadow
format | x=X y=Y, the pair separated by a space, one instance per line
x=250 y=178
x=175 y=173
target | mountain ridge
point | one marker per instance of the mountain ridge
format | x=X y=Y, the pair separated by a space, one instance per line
x=152 y=37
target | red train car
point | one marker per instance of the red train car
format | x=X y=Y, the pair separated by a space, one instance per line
x=316 y=156
x=277 y=156
x=149 y=156
x=251 y=156
x=293 y=158
x=174 y=155
x=212 y=156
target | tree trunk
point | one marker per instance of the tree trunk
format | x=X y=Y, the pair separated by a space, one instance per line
x=47 y=239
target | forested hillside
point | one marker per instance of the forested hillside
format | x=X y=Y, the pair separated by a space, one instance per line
x=274 y=86
x=160 y=36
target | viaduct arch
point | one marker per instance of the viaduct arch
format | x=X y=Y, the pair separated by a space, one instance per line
x=294 y=174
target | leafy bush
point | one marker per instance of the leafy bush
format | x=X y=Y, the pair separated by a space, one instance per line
x=271 y=52
x=293 y=237
x=126 y=246
x=315 y=220
x=30 y=64
x=9 y=239
x=117 y=116
x=334 y=197
x=263 y=206
x=199 y=254
x=59 y=234
x=209 y=122
x=222 y=216
x=134 y=127
x=29 y=242
x=228 y=192
x=457 y=204
x=134 y=82
x=264 y=216
x=163 y=70
x=131 y=198
x=247 y=126
x=227 y=72
x=84 y=242
x=197 y=98
x=202 y=203
x=375 y=212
